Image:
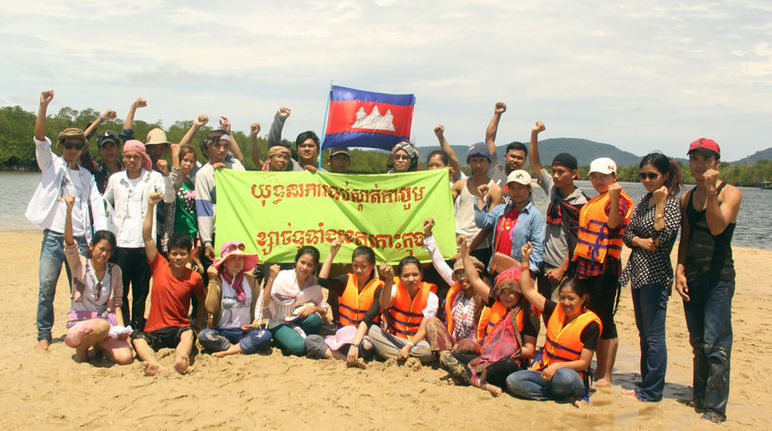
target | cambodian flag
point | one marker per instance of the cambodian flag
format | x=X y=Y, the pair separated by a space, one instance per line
x=365 y=119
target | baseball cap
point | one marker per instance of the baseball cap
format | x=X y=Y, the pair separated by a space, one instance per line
x=603 y=165
x=705 y=144
x=479 y=149
x=340 y=150
x=107 y=136
x=519 y=176
x=566 y=160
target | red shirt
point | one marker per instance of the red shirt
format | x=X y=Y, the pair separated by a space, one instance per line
x=504 y=232
x=170 y=295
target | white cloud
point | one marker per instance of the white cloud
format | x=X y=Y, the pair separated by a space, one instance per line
x=620 y=73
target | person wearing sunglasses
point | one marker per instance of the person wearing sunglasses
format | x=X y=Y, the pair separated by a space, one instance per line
x=651 y=233
x=404 y=158
x=61 y=176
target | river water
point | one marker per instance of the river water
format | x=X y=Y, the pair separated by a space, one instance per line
x=754 y=229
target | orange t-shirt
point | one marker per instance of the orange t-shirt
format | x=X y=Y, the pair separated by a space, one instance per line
x=170 y=296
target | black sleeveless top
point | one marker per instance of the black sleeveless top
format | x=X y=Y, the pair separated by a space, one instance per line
x=708 y=257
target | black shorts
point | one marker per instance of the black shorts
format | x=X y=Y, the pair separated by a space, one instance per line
x=603 y=295
x=168 y=337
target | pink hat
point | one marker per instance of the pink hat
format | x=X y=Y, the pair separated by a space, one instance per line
x=235 y=248
x=135 y=146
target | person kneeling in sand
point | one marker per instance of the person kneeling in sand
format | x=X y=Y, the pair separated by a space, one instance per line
x=97 y=296
x=230 y=304
x=173 y=284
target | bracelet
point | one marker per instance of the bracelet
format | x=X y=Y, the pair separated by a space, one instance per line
x=660 y=215
x=411 y=344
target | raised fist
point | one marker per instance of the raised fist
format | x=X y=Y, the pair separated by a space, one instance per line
x=439 y=130
x=154 y=198
x=483 y=189
x=254 y=129
x=69 y=200
x=614 y=189
x=539 y=127
x=200 y=120
x=284 y=111
x=225 y=124
x=335 y=246
x=110 y=114
x=46 y=97
x=660 y=195
x=428 y=226
x=163 y=167
x=140 y=103
x=386 y=271
x=710 y=178
x=273 y=271
x=500 y=108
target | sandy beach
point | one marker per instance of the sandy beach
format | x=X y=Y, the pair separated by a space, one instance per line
x=49 y=390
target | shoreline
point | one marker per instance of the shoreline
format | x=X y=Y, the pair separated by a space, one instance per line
x=262 y=390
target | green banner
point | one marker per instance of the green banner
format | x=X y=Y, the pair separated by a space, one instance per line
x=275 y=213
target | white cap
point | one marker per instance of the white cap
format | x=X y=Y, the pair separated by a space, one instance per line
x=603 y=165
x=519 y=176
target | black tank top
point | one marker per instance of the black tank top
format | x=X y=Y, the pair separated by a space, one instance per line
x=708 y=257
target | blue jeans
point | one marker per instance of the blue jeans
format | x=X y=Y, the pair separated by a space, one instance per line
x=650 y=305
x=217 y=340
x=709 y=320
x=51 y=259
x=528 y=384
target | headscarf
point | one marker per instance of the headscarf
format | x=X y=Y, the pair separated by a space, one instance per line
x=136 y=146
x=411 y=151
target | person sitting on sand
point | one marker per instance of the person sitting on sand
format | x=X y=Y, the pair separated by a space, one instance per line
x=562 y=370
x=505 y=334
x=173 y=284
x=230 y=304
x=357 y=296
x=408 y=300
x=294 y=302
x=97 y=296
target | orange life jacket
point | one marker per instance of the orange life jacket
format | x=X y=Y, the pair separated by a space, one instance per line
x=353 y=304
x=563 y=342
x=405 y=313
x=594 y=240
x=491 y=316
x=454 y=291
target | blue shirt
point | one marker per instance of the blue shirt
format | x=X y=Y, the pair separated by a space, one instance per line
x=529 y=227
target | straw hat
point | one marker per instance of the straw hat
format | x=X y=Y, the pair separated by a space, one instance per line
x=156 y=137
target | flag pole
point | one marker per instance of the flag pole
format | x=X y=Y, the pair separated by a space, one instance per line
x=324 y=124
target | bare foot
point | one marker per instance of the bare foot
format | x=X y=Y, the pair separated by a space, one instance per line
x=153 y=369
x=704 y=421
x=629 y=394
x=181 y=365
x=493 y=389
x=81 y=354
x=602 y=383
x=42 y=344
x=414 y=363
x=580 y=404
x=231 y=350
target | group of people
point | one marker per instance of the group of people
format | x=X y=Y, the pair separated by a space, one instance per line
x=133 y=217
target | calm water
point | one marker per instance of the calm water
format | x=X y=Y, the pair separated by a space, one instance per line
x=754 y=228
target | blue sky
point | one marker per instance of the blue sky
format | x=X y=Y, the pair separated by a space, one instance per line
x=639 y=75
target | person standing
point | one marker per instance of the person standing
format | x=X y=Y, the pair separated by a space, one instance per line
x=62 y=176
x=565 y=202
x=705 y=276
x=127 y=191
x=514 y=156
x=598 y=256
x=651 y=234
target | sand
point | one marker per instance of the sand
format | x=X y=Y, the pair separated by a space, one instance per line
x=49 y=390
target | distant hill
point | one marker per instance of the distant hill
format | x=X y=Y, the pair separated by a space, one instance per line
x=584 y=150
x=755 y=157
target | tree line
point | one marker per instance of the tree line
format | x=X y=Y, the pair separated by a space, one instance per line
x=17 y=151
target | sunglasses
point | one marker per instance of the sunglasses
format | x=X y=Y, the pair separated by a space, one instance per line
x=649 y=175
x=401 y=157
x=70 y=145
